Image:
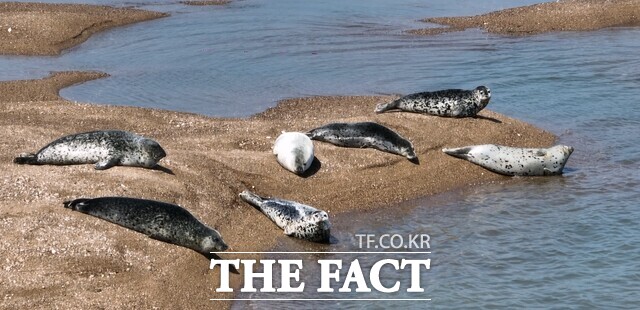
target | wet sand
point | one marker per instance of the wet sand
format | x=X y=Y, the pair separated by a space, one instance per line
x=54 y=257
x=567 y=15
x=47 y=29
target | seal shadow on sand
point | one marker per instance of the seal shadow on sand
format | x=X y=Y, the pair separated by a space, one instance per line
x=478 y=116
x=313 y=169
x=491 y=119
x=415 y=161
x=163 y=169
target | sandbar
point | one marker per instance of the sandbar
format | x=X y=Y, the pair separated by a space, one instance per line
x=57 y=258
x=48 y=29
x=564 y=15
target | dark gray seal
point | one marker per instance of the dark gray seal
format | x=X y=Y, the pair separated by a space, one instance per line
x=105 y=148
x=362 y=135
x=514 y=160
x=297 y=220
x=449 y=102
x=158 y=220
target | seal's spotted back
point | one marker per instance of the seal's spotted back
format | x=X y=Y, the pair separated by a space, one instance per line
x=105 y=149
x=296 y=219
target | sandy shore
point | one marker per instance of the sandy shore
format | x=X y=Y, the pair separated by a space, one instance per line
x=565 y=15
x=54 y=257
x=47 y=29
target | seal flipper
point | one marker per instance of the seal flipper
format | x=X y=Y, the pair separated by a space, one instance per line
x=106 y=164
x=289 y=230
x=76 y=204
x=26 y=159
x=252 y=199
x=461 y=152
x=382 y=107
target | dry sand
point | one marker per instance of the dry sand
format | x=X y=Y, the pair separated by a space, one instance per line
x=47 y=29
x=53 y=257
x=566 y=15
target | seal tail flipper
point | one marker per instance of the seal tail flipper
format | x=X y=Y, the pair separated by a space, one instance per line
x=252 y=199
x=461 y=152
x=310 y=134
x=75 y=204
x=26 y=159
x=383 y=107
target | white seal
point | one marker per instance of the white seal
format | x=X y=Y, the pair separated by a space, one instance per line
x=515 y=161
x=294 y=151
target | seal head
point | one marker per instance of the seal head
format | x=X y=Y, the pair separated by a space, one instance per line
x=483 y=95
x=151 y=153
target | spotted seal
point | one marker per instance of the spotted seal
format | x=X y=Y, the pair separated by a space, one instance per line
x=158 y=220
x=294 y=151
x=515 y=161
x=297 y=220
x=362 y=135
x=449 y=102
x=106 y=148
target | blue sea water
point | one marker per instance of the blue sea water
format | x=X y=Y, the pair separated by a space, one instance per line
x=563 y=242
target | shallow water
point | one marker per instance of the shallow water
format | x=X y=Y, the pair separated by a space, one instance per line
x=569 y=241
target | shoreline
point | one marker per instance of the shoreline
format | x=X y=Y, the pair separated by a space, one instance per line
x=213 y=159
x=43 y=29
x=563 y=15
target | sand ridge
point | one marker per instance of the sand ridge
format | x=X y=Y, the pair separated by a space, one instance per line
x=58 y=258
x=564 y=15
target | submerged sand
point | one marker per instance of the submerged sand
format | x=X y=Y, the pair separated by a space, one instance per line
x=54 y=257
x=564 y=15
x=47 y=29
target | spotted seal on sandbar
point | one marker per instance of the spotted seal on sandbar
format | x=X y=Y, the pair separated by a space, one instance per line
x=297 y=220
x=105 y=148
x=294 y=151
x=515 y=161
x=158 y=220
x=449 y=102
x=362 y=135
